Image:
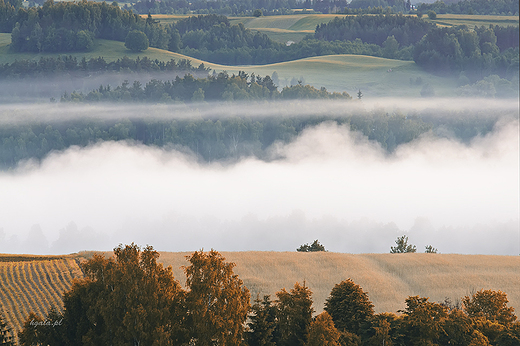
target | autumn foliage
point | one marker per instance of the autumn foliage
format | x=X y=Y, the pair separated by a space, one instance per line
x=131 y=299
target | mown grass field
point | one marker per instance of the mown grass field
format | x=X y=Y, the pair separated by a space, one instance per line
x=340 y=73
x=33 y=283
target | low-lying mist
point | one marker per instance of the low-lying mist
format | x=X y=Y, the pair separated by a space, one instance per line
x=329 y=183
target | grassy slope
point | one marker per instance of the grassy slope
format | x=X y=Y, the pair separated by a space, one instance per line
x=33 y=283
x=335 y=72
x=388 y=278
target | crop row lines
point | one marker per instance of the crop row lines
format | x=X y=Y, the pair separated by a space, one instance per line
x=34 y=286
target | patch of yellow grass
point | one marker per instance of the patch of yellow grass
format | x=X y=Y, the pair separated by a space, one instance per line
x=388 y=278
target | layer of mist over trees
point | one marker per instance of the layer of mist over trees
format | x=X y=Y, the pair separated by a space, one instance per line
x=229 y=138
x=132 y=299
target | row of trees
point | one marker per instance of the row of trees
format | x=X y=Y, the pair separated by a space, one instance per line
x=406 y=30
x=225 y=7
x=132 y=299
x=269 y=7
x=221 y=87
x=479 y=52
x=495 y=7
x=73 y=26
x=227 y=138
x=70 y=65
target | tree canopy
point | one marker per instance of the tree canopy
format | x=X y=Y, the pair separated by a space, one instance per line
x=314 y=247
x=402 y=246
x=217 y=301
x=136 y=41
x=349 y=306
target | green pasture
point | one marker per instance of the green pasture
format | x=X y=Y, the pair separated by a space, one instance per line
x=376 y=77
x=109 y=50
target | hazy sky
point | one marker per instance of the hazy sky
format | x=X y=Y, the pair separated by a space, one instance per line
x=332 y=184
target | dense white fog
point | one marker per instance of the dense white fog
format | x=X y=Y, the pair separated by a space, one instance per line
x=329 y=184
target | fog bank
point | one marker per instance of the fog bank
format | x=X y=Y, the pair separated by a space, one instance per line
x=30 y=113
x=329 y=184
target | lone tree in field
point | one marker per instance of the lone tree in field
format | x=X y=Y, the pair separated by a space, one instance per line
x=314 y=247
x=402 y=246
x=430 y=249
x=217 y=301
x=136 y=41
x=349 y=307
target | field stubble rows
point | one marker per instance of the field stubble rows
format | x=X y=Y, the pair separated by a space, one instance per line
x=34 y=285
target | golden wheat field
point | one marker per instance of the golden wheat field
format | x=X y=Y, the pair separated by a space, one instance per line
x=33 y=283
x=388 y=278
x=36 y=283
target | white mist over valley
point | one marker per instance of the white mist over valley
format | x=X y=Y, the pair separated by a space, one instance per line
x=329 y=183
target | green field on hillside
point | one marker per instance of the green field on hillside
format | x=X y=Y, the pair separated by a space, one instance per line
x=375 y=77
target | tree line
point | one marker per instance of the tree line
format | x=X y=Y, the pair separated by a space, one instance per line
x=216 y=87
x=223 y=7
x=479 y=52
x=70 y=65
x=483 y=7
x=69 y=26
x=130 y=298
x=73 y=26
x=407 y=30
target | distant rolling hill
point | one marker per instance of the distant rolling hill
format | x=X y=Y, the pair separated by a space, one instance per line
x=375 y=77
x=35 y=283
